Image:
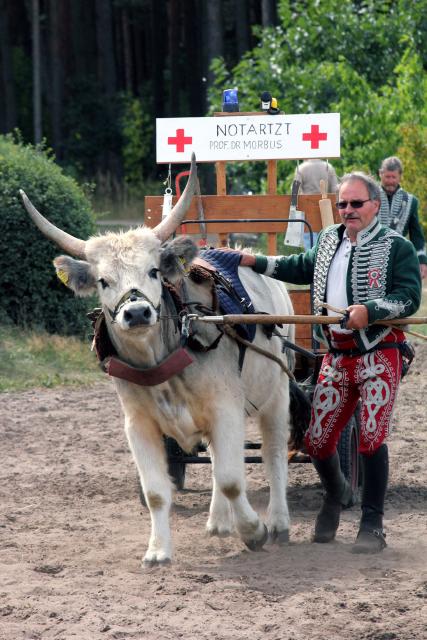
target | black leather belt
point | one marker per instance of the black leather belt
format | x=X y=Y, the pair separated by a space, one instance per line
x=357 y=352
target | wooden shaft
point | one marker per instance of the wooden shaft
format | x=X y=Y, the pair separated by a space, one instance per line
x=338 y=310
x=326 y=212
x=416 y=334
x=332 y=308
x=323 y=189
x=256 y=318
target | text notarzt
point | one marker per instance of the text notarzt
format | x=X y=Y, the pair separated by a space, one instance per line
x=261 y=129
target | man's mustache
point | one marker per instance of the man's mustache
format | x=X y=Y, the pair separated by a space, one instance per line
x=350 y=216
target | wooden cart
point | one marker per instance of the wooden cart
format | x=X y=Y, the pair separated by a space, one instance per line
x=253 y=214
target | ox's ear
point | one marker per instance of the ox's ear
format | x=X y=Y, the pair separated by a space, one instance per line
x=75 y=274
x=176 y=257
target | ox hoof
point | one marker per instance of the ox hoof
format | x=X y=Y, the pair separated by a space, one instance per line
x=149 y=563
x=279 y=537
x=218 y=532
x=257 y=545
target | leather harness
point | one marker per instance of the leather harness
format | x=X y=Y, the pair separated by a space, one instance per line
x=180 y=358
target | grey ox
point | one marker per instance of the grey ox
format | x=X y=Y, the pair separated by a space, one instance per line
x=207 y=400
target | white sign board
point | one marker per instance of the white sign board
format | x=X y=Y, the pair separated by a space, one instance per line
x=254 y=137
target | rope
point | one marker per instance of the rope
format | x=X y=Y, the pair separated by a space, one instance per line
x=233 y=334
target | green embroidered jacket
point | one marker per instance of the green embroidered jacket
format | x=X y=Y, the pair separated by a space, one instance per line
x=401 y=214
x=383 y=274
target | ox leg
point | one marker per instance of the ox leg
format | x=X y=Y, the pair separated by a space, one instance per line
x=150 y=457
x=274 y=428
x=227 y=453
x=220 y=522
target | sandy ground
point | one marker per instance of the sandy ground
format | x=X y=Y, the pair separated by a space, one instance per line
x=72 y=534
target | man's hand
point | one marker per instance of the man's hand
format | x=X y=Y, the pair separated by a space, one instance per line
x=423 y=271
x=246 y=259
x=358 y=318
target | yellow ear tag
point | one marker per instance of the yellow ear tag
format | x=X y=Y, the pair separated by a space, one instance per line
x=183 y=264
x=63 y=276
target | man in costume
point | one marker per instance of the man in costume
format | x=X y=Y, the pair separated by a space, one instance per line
x=312 y=171
x=372 y=271
x=399 y=209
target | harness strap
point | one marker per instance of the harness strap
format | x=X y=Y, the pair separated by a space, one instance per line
x=170 y=366
x=181 y=308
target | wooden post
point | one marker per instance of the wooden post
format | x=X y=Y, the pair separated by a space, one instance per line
x=272 y=191
x=221 y=179
x=271 y=177
x=221 y=190
x=271 y=244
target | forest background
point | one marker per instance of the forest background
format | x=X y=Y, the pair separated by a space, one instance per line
x=87 y=78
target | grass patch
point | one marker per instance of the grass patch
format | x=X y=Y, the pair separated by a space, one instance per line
x=31 y=359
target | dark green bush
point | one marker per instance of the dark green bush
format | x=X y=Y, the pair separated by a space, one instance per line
x=31 y=295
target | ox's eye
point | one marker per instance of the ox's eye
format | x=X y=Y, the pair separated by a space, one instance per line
x=103 y=283
x=153 y=272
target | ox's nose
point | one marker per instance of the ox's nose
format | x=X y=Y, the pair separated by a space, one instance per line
x=137 y=316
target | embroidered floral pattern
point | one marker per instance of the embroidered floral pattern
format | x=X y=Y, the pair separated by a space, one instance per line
x=395 y=308
x=374 y=378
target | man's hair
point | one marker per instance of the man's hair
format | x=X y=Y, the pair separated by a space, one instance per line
x=391 y=164
x=369 y=182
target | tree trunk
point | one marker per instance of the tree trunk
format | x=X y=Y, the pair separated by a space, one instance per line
x=56 y=68
x=127 y=54
x=175 y=82
x=8 y=116
x=214 y=33
x=242 y=28
x=158 y=55
x=37 y=103
x=195 y=85
x=83 y=49
x=105 y=45
x=269 y=13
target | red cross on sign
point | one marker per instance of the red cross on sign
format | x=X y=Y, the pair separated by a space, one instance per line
x=180 y=140
x=314 y=136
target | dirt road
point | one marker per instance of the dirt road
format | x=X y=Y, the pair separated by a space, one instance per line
x=72 y=534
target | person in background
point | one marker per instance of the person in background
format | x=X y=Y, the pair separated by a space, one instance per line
x=399 y=209
x=372 y=272
x=311 y=172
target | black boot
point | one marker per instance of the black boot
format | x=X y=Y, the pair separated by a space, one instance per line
x=337 y=494
x=371 y=537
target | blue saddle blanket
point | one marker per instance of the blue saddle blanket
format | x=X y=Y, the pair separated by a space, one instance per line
x=232 y=296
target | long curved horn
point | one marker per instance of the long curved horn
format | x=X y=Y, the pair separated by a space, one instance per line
x=70 y=244
x=169 y=225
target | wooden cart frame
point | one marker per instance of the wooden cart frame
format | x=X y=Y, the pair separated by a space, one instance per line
x=224 y=214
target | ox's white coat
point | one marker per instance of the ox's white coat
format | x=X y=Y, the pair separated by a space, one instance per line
x=208 y=400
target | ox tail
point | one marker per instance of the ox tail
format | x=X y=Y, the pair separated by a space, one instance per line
x=300 y=411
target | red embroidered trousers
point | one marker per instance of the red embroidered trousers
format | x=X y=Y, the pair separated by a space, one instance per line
x=343 y=380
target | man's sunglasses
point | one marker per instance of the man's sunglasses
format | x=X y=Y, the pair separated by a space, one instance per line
x=354 y=204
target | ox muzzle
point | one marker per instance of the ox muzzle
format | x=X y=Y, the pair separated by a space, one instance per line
x=134 y=309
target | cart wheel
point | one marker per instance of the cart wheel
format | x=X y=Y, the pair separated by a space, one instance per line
x=176 y=469
x=348 y=451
